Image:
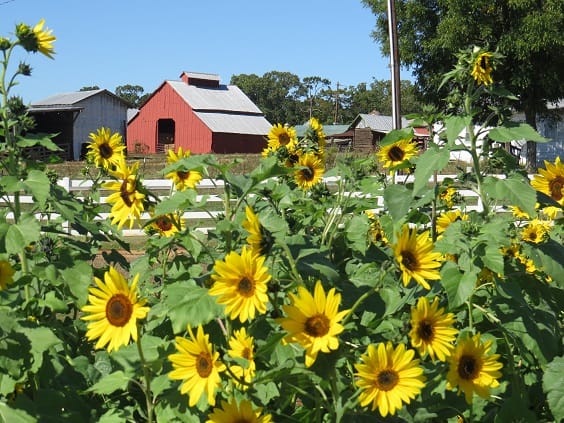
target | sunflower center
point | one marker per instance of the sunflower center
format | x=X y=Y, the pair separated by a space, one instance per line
x=164 y=224
x=425 y=330
x=396 y=154
x=246 y=354
x=242 y=420
x=307 y=174
x=204 y=365
x=317 y=325
x=246 y=287
x=409 y=260
x=284 y=139
x=468 y=367
x=119 y=310
x=183 y=174
x=126 y=190
x=387 y=379
x=556 y=186
x=105 y=150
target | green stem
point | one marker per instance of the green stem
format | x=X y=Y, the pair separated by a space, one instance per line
x=292 y=263
x=147 y=376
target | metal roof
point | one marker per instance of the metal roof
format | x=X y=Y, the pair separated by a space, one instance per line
x=379 y=123
x=227 y=98
x=233 y=123
x=328 y=130
x=65 y=98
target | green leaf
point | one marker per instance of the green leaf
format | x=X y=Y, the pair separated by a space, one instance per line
x=396 y=135
x=13 y=415
x=38 y=185
x=454 y=126
x=41 y=338
x=42 y=140
x=189 y=305
x=397 y=199
x=512 y=131
x=356 y=233
x=458 y=286
x=554 y=388
x=434 y=159
x=22 y=234
x=549 y=256
x=515 y=190
x=78 y=278
x=11 y=184
x=180 y=200
x=110 y=383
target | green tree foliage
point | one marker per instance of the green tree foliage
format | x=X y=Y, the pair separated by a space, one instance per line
x=530 y=34
x=133 y=94
x=90 y=88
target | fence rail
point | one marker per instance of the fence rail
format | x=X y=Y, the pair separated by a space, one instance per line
x=163 y=188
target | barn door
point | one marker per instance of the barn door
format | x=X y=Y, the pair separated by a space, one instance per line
x=165 y=135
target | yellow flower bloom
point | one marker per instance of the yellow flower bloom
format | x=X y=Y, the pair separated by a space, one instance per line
x=536 y=231
x=482 y=69
x=472 y=369
x=550 y=212
x=165 y=225
x=127 y=200
x=415 y=256
x=231 y=412
x=319 y=135
x=240 y=282
x=313 y=321
x=113 y=309
x=6 y=274
x=106 y=149
x=311 y=172
x=388 y=377
x=375 y=231
x=182 y=179
x=518 y=213
x=447 y=196
x=259 y=239
x=550 y=181
x=280 y=135
x=445 y=219
x=241 y=346
x=197 y=365
x=431 y=329
x=44 y=39
x=394 y=154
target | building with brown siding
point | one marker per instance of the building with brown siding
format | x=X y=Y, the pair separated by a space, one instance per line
x=198 y=114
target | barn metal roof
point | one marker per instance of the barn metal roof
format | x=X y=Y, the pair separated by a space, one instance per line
x=378 y=123
x=65 y=101
x=227 y=98
x=234 y=123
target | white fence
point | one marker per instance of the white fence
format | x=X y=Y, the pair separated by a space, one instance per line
x=163 y=188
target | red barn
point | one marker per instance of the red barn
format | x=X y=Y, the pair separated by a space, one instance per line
x=199 y=114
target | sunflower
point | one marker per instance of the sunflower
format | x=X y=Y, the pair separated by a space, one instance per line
x=241 y=346
x=396 y=153
x=551 y=212
x=197 y=365
x=6 y=274
x=106 y=149
x=431 y=329
x=472 y=369
x=375 y=230
x=447 y=196
x=165 y=225
x=44 y=39
x=550 y=181
x=114 y=310
x=319 y=135
x=127 y=200
x=231 y=412
x=388 y=377
x=415 y=256
x=311 y=171
x=535 y=232
x=518 y=213
x=482 y=69
x=445 y=219
x=280 y=136
x=313 y=321
x=182 y=179
x=240 y=282
x=259 y=238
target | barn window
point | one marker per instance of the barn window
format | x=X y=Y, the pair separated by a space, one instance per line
x=165 y=134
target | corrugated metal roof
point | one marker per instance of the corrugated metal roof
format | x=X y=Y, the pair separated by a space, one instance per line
x=201 y=75
x=66 y=98
x=235 y=123
x=379 y=123
x=327 y=129
x=225 y=97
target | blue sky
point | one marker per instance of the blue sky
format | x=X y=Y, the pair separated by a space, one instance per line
x=116 y=42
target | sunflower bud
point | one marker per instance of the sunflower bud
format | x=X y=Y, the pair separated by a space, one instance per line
x=24 y=69
x=4 y=43
x=27 y=37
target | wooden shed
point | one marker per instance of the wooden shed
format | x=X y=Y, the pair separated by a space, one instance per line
x=73 y=116
x=198 y=114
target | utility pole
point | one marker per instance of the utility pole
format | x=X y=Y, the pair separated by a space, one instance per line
x=336 y=106
x=394 y=65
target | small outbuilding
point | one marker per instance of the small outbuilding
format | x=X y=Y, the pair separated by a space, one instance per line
x=198 y=114
x=73 y=116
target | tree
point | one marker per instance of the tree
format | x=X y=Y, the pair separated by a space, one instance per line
x=133 y=94
x=92 y=88
x=530 y=34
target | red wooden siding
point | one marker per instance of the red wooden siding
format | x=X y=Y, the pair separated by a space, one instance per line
x=190 y=133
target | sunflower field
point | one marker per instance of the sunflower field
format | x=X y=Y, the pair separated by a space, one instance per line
x=385 y=295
